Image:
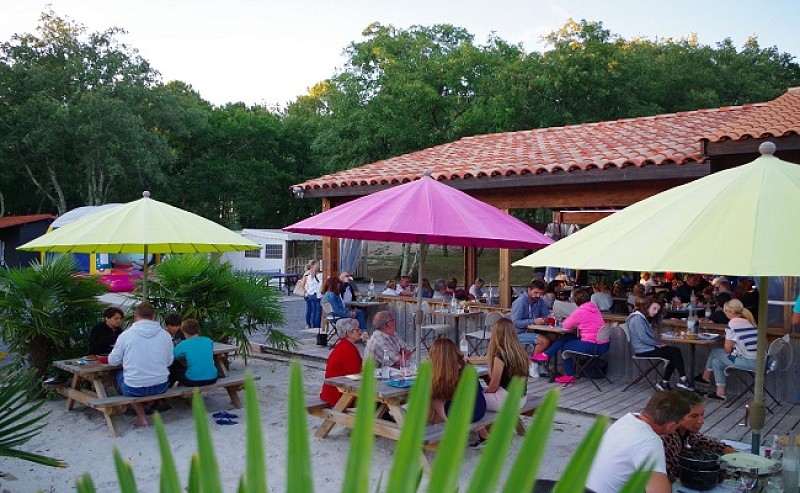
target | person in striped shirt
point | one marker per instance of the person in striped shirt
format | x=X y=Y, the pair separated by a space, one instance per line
x=741 y=341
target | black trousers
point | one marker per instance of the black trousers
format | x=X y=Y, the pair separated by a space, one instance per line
x=672 y=354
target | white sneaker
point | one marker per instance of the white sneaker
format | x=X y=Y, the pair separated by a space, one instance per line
x=685 y=385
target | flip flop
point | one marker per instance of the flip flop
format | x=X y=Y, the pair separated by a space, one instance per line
x=226 y=421
x=224 y=414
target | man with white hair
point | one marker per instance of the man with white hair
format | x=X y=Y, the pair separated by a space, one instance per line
x=348 y=288
x=344 y=359
x=385 y=338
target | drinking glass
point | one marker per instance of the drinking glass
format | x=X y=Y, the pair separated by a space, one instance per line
x=708 y=312
x=749 y=478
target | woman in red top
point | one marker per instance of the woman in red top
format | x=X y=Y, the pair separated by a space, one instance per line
x=344 y=359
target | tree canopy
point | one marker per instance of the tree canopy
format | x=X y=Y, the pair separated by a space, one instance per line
x=85 y=120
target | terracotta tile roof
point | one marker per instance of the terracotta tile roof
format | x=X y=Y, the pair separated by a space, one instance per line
x=653 y=140
x=776 y=118
x=9 y=221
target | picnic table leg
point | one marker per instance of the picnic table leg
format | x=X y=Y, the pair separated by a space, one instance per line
x=233 y=392
x=107 y=413
x=74 y=385
x=220 y=362
x=343 y=403
x=520 y=427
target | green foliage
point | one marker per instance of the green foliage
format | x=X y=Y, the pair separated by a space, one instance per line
x=47 y=311
x=19 y=400
x=229 y=305
x=406 y=467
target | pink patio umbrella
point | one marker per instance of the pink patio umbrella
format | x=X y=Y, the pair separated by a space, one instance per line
x=424 y=212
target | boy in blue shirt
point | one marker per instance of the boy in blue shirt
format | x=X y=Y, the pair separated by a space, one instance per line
x=199 y=354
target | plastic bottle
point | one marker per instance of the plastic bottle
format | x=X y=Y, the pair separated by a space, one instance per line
x=490 y=297
x=789 y=466
x=453 y=305
x=385 y=367
x=371 y=289
x=463 y=346
x=691 y=322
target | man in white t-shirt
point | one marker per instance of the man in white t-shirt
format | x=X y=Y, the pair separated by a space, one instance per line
x=633 y=441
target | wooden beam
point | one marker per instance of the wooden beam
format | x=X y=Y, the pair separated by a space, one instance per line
x=584 y=217
x=330 y=250
x=750 y=145
x=470 y=266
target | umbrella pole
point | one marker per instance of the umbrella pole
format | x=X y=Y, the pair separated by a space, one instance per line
x=145 y=273
x=418 y=312
x=757 y=411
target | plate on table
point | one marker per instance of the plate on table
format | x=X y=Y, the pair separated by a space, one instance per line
x=743 y=461
x=708 y=336
x=400 y=384
x=668 y=335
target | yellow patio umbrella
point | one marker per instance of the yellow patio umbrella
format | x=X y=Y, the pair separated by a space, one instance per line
x=143 y=226
x=742 y=221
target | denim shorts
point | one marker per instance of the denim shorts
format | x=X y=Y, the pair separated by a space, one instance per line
x=139 y=391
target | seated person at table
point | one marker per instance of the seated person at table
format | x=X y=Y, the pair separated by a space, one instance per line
x=741 y=341
x=173 y=324
x=404 y=287
x=427 y=289
x=476 y=290
x=344 y=359
x=718 y=315
x=460 y=294
x=440 y=290
x=348 y=288
x=633 y=441
x=688 y=435
x=589 y=321
x=529 y=308
x=602 y=297
x=551 y=293
x=145 y=353
x=446 y=365
x=385 y=337
x=198 y=352
x=645 y=343
x=391 y=288
x=563 y=308
x=507 y=359
x=104 y=335
x=330 y=294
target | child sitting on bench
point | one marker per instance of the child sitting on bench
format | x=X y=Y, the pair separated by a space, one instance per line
x=199 y=353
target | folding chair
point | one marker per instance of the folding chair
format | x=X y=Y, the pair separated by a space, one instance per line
x=328 y=325
x=585 y=361
x=477 y=338
x=429 y=330
x=774 y=352
x=640 y=361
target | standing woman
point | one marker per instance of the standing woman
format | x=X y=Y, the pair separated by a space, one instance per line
x=644 y=343
x=313 y=284
x=104 y=335
x=447 y=363
x=741 y=341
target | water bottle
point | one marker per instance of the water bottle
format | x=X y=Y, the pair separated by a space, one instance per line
x=463 y=346
x=691 y=323
x=385 y=367
x=490 y=297
x=453 y=305
x=790 y=465
x=371 y=289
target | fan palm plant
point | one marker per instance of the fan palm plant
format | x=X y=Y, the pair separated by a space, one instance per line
x=46 y=311
x=229 y=305
x=406 y=469
x=19 y=422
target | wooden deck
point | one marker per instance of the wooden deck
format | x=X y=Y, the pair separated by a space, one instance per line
x=721 y=422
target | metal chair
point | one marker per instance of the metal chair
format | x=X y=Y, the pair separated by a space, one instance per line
x=476 y=339
x=585 y=361
x=640 y=361
x=774 y=352
x=328 y=323
x=429 y=330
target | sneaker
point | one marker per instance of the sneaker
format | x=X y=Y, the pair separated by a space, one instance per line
x=699 y=378
x=478 y=444
x=663 y=386
x=540 y=358
x=566 y=379
x=685 y=385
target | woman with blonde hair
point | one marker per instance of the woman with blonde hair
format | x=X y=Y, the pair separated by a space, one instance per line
x=507 y=359
x=446 y=364
x=741 y=342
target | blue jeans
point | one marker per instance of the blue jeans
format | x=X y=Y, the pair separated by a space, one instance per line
x=313 y=311
x=139 y=391
x=718 y=360
x=527 y=337
x=575 y=344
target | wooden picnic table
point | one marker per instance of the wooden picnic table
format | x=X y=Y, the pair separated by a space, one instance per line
x=692 y=344
x=99 y=376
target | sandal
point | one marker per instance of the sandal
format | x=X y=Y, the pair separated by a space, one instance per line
x=224 y=414
x=226 y=421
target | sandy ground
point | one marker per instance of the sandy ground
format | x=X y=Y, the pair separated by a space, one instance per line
x=81 y=438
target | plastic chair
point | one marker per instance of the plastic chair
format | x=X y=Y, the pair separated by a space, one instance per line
x=774 y=352
x=640 y=361
x=429 y=330
x=584 y=361
x=476 y=339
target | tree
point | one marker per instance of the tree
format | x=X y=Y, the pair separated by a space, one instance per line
x=72 y=117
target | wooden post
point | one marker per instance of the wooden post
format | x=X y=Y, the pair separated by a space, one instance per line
x=470 y=266
x=330 y=249
x=504 y=279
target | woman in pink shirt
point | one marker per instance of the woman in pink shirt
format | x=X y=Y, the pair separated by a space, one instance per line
x=588 y=320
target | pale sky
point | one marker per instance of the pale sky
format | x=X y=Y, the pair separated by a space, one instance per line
x=269 y=52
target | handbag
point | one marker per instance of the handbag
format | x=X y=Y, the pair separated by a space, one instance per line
x=300 y=287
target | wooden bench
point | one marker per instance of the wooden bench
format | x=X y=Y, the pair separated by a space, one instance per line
x=108 y=405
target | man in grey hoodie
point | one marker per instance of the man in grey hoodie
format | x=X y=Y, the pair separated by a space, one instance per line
x=145 y=352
